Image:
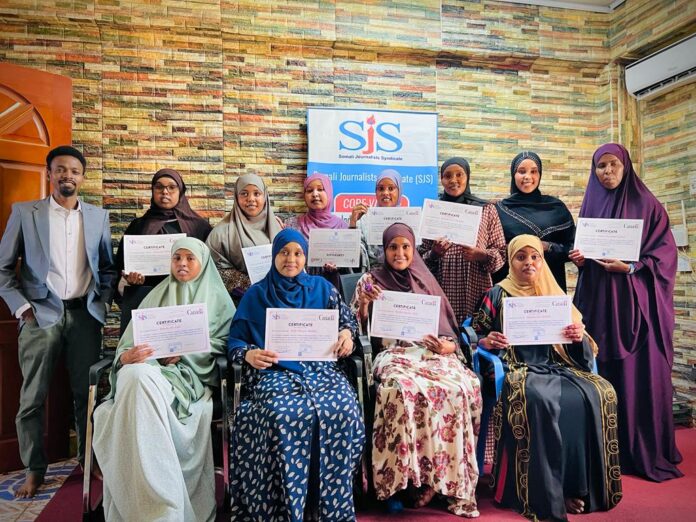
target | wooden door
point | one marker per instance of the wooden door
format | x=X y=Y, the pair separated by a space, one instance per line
x=35 y=116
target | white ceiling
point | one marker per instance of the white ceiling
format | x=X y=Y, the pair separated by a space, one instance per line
x=600 y=6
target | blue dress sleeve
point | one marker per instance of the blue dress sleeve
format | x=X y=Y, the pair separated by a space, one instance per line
x=237 y=344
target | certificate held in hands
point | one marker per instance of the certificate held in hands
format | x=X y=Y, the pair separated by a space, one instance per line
x=172 y=330
x=457 y=222
x=600 y=238
x=302 y=334
x=536 y=320
x=402 y=315
x=379 y=218
x=258 y=261
x=338 y=246
x=149 y=255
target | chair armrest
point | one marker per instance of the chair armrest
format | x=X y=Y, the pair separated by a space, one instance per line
x=97 y=369
x=498 y=370
x=468 y=335
x=221 y=365
x=365 y=344
x=469 y=339
x=356 y=363
x=236 y=373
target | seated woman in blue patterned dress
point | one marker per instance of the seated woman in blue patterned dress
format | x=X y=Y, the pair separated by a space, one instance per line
x=298 y=433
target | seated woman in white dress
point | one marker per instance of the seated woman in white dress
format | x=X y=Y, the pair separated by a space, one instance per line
x=152 y=435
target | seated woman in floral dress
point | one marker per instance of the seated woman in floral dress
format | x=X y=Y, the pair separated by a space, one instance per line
x=428 y=405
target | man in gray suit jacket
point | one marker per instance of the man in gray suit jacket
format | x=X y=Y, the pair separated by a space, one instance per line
x=61 y=298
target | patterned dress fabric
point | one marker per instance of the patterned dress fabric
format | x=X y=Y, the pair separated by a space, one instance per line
x=297 y=440
x=427 y=418
x=465 y=282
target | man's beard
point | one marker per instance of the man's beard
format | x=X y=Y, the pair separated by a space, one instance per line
x=67 y=189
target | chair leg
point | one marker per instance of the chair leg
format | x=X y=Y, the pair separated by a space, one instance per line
x=486 y=413
x=87 y=477
x=225 y=445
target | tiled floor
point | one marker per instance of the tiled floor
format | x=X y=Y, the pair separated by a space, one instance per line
x=26 y=510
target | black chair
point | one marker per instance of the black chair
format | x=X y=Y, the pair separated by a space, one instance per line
x=132 y=297
x=221 y=422
x=363 y=346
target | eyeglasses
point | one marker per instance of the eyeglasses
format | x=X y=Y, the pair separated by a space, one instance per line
x=169 y=188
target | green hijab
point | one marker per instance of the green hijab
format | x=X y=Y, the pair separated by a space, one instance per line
x=192 y=372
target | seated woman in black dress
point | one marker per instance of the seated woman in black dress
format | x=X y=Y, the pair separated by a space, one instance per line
x=555 y=424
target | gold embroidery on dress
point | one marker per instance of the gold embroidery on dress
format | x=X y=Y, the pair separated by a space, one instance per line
x=519 y=424
x=610 y=437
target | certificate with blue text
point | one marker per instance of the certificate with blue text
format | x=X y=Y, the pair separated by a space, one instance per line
x=172 y=330
x=338 y=246
x=406 y=316
x=149 y=255
x=536 y=320
x=300 y=334
x=258 y=261
x=601 y=238
x=457 y=222
x=379 y=218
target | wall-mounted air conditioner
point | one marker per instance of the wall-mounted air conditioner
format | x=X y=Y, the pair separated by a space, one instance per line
x=659 y=72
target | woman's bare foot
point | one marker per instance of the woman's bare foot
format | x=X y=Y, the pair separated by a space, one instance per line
x=27 y=490
x=424 y=497
x=574 y=506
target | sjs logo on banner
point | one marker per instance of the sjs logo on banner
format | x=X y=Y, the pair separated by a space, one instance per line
x=352 y=146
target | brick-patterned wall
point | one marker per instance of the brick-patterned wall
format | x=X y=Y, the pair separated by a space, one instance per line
x=641 y=27
x=217 y=88
x=669 y=158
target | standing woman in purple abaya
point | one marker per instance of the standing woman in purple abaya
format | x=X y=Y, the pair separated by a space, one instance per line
x=628 y=309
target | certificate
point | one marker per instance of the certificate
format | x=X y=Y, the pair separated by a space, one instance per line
x=536 y=320
x=258 y=261
x=379 y=218
x=149 y=255
x=172 y=330
x=299 y=334
x=402 y=315
x=340 y=247
x=458 y=223
x=609 y=238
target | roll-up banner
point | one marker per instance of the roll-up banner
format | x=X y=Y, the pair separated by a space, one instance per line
x=352 y=146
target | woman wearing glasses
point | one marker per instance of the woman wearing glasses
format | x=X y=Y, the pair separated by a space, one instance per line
x=169 y=213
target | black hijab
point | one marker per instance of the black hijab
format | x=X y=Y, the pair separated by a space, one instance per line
x=155 y=218
x=533 y=213
x=467 y=198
